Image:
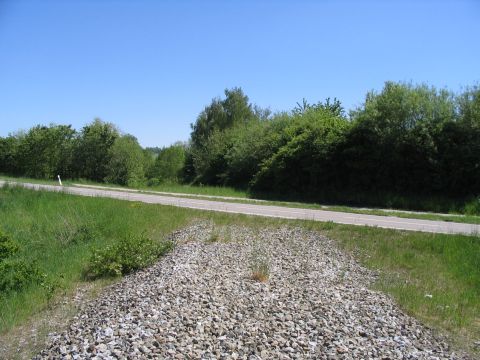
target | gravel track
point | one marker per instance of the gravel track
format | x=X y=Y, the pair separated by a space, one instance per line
x=200 y=302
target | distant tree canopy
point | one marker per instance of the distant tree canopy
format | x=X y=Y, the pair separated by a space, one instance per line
x=168 y=164
x=93 y=150
x=125 y=162
x=406 y=139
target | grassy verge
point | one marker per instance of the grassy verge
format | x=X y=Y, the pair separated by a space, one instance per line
x=50 y=229
x=179 y=188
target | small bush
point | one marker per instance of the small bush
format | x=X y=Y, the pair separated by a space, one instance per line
x=472 y=207
x=17 y=274
x=8 y=247
x=154 y=182
x=129 y=254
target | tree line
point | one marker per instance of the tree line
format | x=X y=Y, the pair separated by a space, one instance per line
x=403 y=142
x=98 y=152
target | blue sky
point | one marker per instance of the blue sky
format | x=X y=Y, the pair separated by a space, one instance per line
x=151 y=66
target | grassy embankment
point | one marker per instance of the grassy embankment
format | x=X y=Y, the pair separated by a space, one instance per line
x=243 y=197
x=411 y=265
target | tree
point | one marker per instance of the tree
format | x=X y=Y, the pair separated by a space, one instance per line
x=8 y=155
x=45 y=151
x=92 y=151
x=392 y=145
x=221 y=115
x=169 y=163
x=304 y=164
x=125 y=165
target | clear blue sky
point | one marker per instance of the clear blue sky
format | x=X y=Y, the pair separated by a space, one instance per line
x=151 y=66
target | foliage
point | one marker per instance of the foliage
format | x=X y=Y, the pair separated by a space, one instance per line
x=93 y=150
x=169 y=163
x=15 y=274
x=221 y=115
x=44 y=152
x=129 y=254
x=8 y=247
x=125 y=166
x=306 y=162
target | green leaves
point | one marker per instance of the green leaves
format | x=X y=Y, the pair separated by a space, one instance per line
x=8 y=247
x=128 y=254
x=15 y=274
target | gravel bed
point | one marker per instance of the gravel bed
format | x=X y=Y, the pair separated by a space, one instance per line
x=200 y=302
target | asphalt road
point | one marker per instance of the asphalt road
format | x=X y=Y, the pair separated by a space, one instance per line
x=389 y=222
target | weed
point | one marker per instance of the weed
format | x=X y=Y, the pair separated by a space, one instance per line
x=17 y=274
x=129 y=254
x=72 y=230
x=222 y=234
x=8 y=247
x=214 y=236
x=259 y=263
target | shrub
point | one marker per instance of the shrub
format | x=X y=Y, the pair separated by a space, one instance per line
x=129 y=254
x=154 y=182
x=8 y=247
x=17 y=274
x=473 y=207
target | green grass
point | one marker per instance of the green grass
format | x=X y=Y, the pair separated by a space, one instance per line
x=410 y=264
x=178 y=188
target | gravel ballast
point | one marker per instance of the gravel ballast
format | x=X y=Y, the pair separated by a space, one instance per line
x=200 y=302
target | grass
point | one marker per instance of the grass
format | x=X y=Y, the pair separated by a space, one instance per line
x=178 y=188
x=50 y=229
x=259 y=263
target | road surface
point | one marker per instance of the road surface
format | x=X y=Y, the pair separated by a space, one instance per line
x=388 y=222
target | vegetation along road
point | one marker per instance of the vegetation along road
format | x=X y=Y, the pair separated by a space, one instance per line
x=273 y=211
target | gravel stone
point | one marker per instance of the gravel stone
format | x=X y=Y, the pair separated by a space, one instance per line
x=200 y=302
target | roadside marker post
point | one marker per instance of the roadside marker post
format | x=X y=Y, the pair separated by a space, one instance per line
x=59 y=180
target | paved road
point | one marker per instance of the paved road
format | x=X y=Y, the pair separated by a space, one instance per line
x=389 y=222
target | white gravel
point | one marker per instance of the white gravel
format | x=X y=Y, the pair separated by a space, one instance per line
x=200 y=302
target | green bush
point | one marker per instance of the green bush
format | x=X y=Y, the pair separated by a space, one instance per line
x=154 y=182
x=129 y=254
x=473 y=207
x=17 y=274
x=7 y=247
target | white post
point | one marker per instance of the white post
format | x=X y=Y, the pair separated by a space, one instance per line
x=59 y=180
